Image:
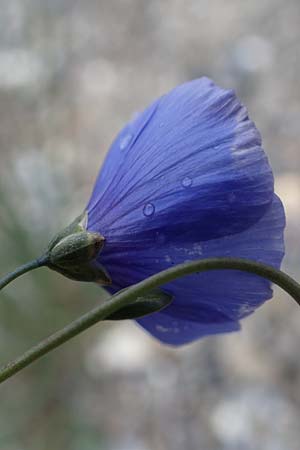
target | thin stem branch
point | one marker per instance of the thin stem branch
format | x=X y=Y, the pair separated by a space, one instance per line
x=126 y=296
x=35 y=264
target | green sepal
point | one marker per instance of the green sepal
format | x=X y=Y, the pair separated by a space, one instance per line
x=77 y=226
x=85 y=272
x=75 y=249
x=73 y=253
x=154 y=301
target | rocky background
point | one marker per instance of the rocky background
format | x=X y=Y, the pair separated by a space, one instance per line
x=71 y=73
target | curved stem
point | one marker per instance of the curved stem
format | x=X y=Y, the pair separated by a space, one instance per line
x=126 y=296
x=36 y=263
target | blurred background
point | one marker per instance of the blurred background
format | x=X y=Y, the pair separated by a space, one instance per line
x=71 y=74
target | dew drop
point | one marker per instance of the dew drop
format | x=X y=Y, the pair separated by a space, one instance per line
x=187 y=182
x=149 y=210
x=125 y=141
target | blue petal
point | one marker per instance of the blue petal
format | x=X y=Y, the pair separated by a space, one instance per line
x=209 y=302
x=188 y=179
x=190 y=166
x=177 y=331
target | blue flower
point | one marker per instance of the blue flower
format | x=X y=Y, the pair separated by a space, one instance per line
x=188 y=179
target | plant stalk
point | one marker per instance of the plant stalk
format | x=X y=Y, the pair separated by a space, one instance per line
x=125 y=297
x=32 y=265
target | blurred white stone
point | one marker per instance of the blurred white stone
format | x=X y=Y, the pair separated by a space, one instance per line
x=37 y=187
x=98 y=77
x=255 y=415
x=253 y=53
x=20 y=68
x=124 y=348
x=12 y=17
x=287 y=186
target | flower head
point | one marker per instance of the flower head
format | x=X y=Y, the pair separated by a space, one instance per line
x=188 y=179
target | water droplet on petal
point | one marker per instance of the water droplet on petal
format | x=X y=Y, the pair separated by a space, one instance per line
x=149 y=210
x=187 y=182
x=161 y=125
x=125 y=141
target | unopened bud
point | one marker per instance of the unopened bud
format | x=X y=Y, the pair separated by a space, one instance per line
x=74 y=251
x=78 y=248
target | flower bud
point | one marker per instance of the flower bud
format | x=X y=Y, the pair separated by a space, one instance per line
x=73 y=253
x=77 y=248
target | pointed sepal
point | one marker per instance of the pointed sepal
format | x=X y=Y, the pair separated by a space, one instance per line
x=154 y=301
x=73 y=252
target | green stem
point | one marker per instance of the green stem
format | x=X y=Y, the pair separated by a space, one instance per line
x=126 y=296
x=36 y=263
